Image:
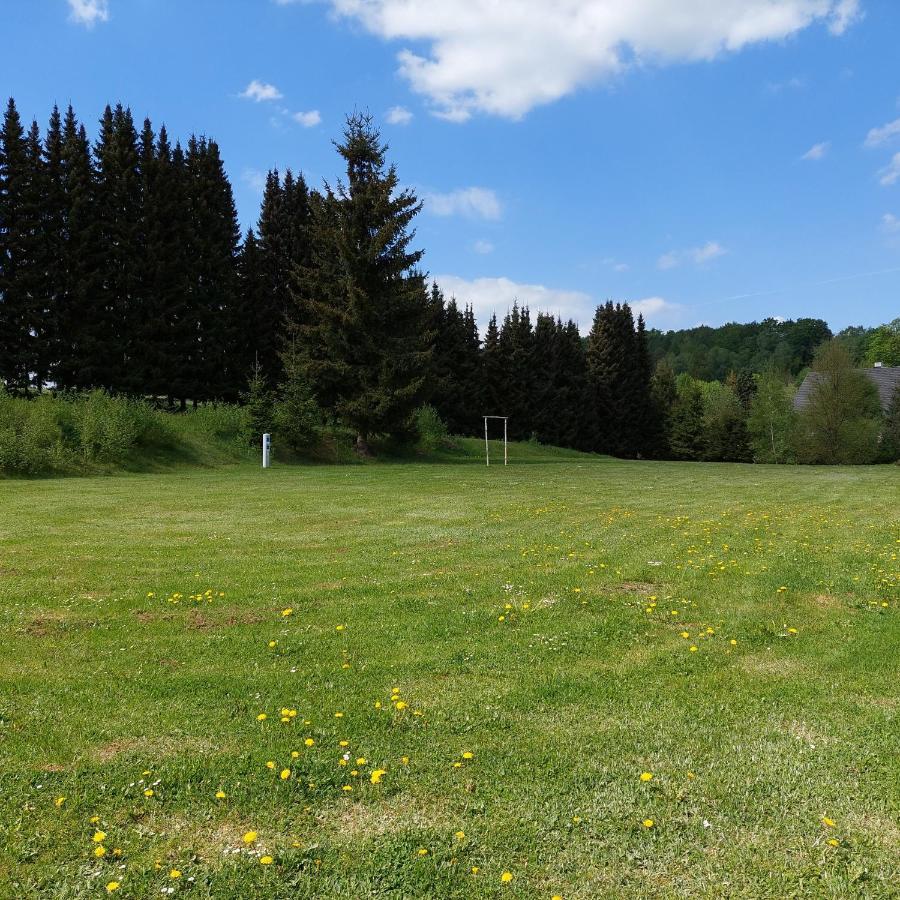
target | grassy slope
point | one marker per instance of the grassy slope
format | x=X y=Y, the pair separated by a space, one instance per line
x=564 y=703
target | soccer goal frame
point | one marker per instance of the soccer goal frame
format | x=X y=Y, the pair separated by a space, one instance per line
x=487 y=446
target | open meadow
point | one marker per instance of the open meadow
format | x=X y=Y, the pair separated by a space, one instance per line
x=574 y=677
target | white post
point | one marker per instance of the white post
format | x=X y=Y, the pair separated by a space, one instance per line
x=504 y=442
x=487 y=449
x=267 y=450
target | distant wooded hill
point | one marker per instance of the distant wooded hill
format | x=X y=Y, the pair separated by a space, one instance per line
x=709 y=354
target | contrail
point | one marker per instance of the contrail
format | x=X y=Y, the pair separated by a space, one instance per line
x=799 y=286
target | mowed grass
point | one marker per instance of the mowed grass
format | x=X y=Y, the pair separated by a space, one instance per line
x=527 y=623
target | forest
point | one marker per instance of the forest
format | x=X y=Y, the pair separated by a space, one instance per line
x=123 y=269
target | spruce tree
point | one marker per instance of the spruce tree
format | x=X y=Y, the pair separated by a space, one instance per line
x=118 y=212
x=79 y=351
x=361 y=305
x=15 y=304
x=493 y=393
x=56 y=288
x=215 y=237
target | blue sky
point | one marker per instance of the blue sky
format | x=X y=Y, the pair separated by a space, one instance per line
x=706 y=162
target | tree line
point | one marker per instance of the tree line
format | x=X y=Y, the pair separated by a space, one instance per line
x=122 y=267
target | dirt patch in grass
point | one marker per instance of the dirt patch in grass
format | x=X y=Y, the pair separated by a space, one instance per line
x=46 y=623
x=771 y=666
x=398 y=813
x=150 y=749
x=826 y=601
x=636 y=587
x=226 y=619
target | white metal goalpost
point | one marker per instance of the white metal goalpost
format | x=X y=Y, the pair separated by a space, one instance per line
x=487 y=447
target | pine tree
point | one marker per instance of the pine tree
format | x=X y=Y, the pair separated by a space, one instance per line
x=687 y=434
x=493 y=391
x=646 y=425
x=215 y=237
x=118 y=212
x=516 y=344
x=664 y=395
x=56 y=288
x=545 y=414
x=81 y=309
x=453 y=387
x=14 y=249
x=360 y=304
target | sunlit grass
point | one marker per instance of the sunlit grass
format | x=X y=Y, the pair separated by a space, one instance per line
x=506 y=647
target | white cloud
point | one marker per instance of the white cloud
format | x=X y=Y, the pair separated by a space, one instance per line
x=89 y=12
x=254 y=179
x=882 y=135
x=667 y=261
x=890 y=223
x=621 y=267
x=307 y=119
x=709 y=251
x=890 y=174
x=259 y=92
x=706 y=253
x=817 y=151
x=497 y=295
x=472 y=202
x=398 y=115
x=483 y=247
x=505 y=58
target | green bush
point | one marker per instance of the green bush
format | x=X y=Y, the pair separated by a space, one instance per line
x=431 y=430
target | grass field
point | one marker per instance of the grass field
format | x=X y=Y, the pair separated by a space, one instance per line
x=407 y=680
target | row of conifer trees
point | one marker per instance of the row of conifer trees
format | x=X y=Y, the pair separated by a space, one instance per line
x=122 y=267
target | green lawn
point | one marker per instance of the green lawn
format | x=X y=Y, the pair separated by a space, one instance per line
x=527 y=622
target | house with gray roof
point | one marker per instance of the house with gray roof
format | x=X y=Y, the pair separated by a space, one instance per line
x=885 y=378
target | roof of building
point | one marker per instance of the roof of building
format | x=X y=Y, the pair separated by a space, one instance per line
x=885 y=378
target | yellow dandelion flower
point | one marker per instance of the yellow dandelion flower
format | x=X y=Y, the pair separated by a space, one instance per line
x=94 y=820
x=284 y=774
x=261 y=717
x=338 y=627
x=99 y=837
x=460 y=835
x=220 y=795
x=404 y=760
x=266 y=860
x=475 y=870
x=468 y=754
x=361 y=761
x=377 y=775
x=112 y=887
x=99 y=850
x=685 y=634
x=506 y=877
x=648 y=823
x=295 y=754
x=58 y=802
x=175 y=873
x=343 y=743
x=646 y=776
x=347 y=787
x=833 y=842
x=273 y=643
x=401 y=705
x=792 y=630
x=457 y=765
x=733 y=642
x=829 y=823
x=693 y=648
x=287 y=612
x=270 y=764
x=309 y=742
x=250 y=837
x=422 y=851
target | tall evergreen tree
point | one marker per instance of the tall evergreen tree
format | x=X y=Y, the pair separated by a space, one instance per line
x=81 y=309
x=56 y=288
x=15 y=303
x=361 y=304
x=215 y=238
x=118 y=210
